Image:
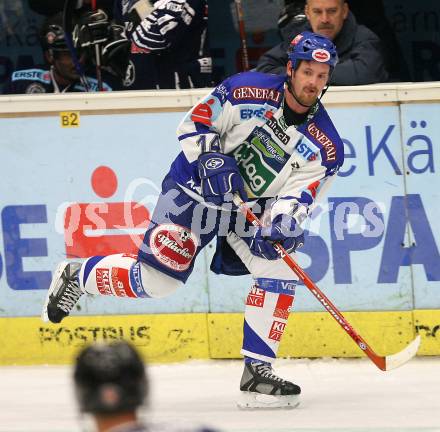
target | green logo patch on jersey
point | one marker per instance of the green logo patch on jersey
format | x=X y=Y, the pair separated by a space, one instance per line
x=259 y=160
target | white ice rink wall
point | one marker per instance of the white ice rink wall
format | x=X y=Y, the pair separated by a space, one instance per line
x=73 y=166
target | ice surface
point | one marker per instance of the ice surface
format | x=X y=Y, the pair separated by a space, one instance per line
x=338 y=395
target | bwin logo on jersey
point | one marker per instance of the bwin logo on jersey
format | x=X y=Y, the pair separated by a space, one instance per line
x=214 y=163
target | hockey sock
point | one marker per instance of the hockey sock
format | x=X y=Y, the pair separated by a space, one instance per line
x=122 y=275
x=267 y=309
x=248 y=360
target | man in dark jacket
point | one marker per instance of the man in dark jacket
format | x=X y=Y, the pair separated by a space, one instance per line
x=112 y=387
x=361 y=59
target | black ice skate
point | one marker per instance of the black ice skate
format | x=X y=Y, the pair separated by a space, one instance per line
x=64 y=292
x=261 y=388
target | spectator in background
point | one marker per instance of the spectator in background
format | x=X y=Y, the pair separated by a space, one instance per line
x=361 y=57
x=372 y=15
x=111 y=385
x=60 y=74
x=169 y=44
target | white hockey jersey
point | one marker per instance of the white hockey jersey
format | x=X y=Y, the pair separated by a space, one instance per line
x=293 y=164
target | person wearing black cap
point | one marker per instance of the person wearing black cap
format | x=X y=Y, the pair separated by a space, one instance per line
x=111 y=385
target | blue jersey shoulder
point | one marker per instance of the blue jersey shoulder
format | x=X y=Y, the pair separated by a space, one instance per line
x=322 y=132
x=253 y=87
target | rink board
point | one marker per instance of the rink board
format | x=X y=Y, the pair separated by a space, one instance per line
x=389 y=182
x=177 y=337
x=160 y=338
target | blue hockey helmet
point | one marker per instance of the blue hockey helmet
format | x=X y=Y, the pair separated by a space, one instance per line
x=312 y=47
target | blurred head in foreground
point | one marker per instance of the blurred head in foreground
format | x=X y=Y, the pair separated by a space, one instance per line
x=110 y=384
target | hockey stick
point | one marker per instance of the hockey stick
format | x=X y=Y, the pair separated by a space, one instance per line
x=69 y=10
x=242 y=32
x=97 y=55
x=384 y=363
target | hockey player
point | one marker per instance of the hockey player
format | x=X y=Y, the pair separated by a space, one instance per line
x=267 y=138
x=169 y=44
x=60 y=74
x=111 y=385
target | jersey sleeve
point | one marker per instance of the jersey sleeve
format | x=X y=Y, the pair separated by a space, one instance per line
x=303 y=190
x=165 y=26
x=201 y=129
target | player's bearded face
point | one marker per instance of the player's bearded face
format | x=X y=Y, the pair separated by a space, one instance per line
x=308 y=81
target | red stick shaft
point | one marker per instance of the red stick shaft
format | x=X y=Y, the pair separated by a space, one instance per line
x=242 y=31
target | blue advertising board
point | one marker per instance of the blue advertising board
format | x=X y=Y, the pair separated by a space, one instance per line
x=372 y=244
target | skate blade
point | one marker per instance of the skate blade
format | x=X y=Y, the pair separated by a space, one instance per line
x=251 y=400
x=56 y=276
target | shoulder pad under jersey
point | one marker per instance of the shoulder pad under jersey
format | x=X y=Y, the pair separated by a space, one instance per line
x=257 y=87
